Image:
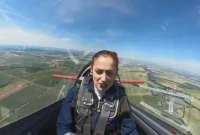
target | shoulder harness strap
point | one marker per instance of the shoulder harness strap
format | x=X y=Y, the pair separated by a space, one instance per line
x=83 y=102
x=111 y=110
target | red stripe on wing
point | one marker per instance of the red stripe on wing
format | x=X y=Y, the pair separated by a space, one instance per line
x=73 y=77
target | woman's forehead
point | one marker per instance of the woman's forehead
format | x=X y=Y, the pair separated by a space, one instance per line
x=105 y=60
x=104 y=63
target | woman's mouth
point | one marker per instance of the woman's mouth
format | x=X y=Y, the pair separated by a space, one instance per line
x=103 y=85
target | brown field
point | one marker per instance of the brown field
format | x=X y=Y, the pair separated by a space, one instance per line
x=13 y=88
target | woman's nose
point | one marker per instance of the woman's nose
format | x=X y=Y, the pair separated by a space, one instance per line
x=103 y=77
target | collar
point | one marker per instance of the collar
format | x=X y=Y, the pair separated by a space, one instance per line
x=108 y=94
x=99 y=93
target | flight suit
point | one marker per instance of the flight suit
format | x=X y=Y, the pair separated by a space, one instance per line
x=122 y=124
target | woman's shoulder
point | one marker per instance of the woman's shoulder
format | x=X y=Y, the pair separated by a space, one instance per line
x=119 y=90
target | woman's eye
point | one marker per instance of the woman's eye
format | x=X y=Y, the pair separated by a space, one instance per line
x=109 y=73
x=99 y=72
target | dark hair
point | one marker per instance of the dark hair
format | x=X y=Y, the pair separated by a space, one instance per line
x=111 y=54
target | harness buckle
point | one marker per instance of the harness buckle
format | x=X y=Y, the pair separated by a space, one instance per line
x=99 y=106
x=112 y=107
x=108 y=106
x=87 y=101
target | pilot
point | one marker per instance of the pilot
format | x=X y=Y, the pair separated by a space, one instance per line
x=97 y=104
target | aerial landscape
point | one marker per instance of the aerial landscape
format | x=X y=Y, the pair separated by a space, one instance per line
x=26 y=85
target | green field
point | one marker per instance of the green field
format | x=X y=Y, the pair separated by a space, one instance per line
x=42 y=90
x=5 y=79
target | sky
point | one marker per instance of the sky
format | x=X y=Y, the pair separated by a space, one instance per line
x=164 y=32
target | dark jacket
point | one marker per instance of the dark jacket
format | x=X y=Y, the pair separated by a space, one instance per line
x=66 y=121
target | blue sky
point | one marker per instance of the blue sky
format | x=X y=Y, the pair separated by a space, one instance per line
x=165 y=32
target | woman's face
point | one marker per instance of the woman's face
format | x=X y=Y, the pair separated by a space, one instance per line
x=104 y=72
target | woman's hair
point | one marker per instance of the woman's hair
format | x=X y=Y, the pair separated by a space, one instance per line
x=106 y=53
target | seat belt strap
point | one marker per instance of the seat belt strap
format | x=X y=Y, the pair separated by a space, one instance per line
x=103 y=118
x=87 y=125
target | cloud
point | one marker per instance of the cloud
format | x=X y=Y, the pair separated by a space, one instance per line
x=164 y=27
x=4 y=17
x=9 y=14
x=19 y=36
x=79 y=5
x=198 y=10
x=192 y=66
x=68 y=10
x=117 y=5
